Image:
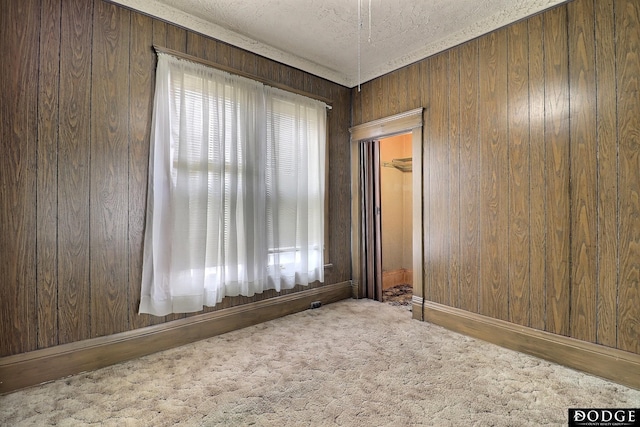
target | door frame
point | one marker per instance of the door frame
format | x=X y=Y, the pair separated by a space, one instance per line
x=407 y=122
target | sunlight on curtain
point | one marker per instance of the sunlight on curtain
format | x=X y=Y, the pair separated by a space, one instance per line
x=236 y=189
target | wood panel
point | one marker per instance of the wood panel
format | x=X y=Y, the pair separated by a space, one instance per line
x=519 y=173
x=297 y=79
x=33 y=368
x=356 y=103
x=607 y=174
x=18 y=138
x=538 y=183
x=563 y=235
x=210 y=50
x=366 y=91
x=73 y=168
x=340 y=212
x=378 y=99
x=494 y=175
x=246 y=62
x=176 y=37
x=627 y=15
x=413 y=87
x=557 y=161
x=438 y=171
x=427 y=225
x=454 y=177
x=198 y=46
x=283 y=75
x=109 y=170
x=615 y=365
x=47 y=170
x=159 y=34
x=76 y=117
x=583 y=170
x=393 y=89
x=141 y=60
x=549 y=182
x=223 y=54
x=470 y=178
x=402 y=92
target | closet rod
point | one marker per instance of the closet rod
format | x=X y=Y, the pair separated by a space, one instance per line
x=268 y=82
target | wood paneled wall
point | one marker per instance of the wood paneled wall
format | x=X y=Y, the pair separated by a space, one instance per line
x=77 y=89
x=532 y=170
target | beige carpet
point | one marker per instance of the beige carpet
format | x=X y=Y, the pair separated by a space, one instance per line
x=352 y=363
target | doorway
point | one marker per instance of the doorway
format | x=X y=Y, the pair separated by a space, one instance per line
x=366 y=227
x=396 y=165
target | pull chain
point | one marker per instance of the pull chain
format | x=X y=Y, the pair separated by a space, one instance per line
x=359 y=31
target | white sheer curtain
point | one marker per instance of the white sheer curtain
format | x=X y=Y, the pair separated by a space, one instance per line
x=236 y=189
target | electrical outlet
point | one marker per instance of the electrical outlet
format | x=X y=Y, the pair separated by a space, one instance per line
x=316 y=304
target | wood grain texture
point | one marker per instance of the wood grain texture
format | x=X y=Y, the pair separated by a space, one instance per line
x=283 y=74
x=537 y=192
x=223 y=53
x=47 y=170
x=246 y=62
x=494 y=175
x=615 y=365
x=176 y=37
x=73 y=171
x=413 y=87
x=75 y=142
x=558 y=234
x=454 y=177
x=627 y=13
x=356 y=106
x=427 y=226
x=310 y=84
x=141 y=60
x=438 y=170
x=159 y=34
x=297 y=79
x=519 y=173
x=22 y=371
x=607 y=190
x=196 y=45
x=583 y=170
x=393 y=89
x=19 y=22
x=548 y=160
x=366 y=91
x=470 y=177
x=340 y=212
x=378 y=99
x=210 y=51
x=109 y=267
x=402 y=90
x=557 y=158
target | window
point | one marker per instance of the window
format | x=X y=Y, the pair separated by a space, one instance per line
x=236 y=189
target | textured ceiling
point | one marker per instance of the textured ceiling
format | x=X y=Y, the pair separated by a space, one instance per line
x=321 y=36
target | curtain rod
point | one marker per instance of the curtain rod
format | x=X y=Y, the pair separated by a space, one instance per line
x=268 y=82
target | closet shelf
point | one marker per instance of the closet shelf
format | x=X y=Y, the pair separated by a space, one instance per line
x=403 y=165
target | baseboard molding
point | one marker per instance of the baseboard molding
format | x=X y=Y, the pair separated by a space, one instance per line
x=616 y=365
x=401 y=276
x=35 y=367
x=416 y=308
